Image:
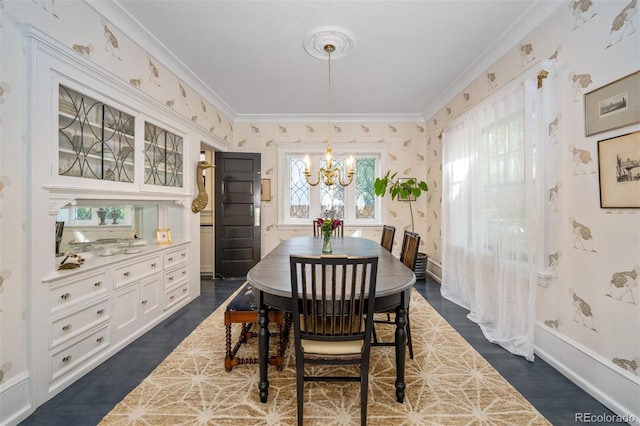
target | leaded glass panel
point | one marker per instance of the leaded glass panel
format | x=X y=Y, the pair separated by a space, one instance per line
x=95 y=140
x=299 y=195
x=365 y=195
x=332 y=197
x=163 y=158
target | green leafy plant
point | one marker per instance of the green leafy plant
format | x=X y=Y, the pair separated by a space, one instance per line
x=403 y=189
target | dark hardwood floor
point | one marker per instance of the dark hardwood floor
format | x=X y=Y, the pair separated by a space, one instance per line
x=93 y=396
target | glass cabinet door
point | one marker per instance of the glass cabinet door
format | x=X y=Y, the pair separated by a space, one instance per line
x=162 y=157
x=95 y=140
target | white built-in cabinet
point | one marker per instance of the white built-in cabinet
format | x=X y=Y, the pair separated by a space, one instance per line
x=93 y=311
x=94 y=139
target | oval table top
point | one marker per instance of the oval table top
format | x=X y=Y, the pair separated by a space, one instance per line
x=272 y=274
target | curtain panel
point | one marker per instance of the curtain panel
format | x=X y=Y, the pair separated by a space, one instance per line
x=492 y=213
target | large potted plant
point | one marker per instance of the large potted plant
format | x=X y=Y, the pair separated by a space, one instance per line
x=406 y=190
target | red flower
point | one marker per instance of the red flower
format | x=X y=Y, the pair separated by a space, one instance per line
x=328 y=225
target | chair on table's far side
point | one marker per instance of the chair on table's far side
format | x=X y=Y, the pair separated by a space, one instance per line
x=333 y=318
x=408 y=256
x=388 y=234
x=338 y=232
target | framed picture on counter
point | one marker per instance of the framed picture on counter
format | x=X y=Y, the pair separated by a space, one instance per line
x=163 y=236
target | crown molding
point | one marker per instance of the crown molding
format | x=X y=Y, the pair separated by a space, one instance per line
x=335 y=118
x=113 y=12
x=521 y=27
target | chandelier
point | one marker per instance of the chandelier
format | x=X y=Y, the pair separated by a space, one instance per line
x=331 y=173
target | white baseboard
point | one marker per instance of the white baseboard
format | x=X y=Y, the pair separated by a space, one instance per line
x=434 y=270
x=15 y=400
x=617 y=389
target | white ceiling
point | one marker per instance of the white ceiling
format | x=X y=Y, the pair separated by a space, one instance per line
x=409 y=57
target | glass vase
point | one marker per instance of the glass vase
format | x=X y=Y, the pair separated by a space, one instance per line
x=326 y=242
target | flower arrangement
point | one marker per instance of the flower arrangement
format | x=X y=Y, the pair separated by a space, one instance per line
x=328 y=225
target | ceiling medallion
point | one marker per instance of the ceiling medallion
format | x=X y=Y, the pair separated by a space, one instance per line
x=317 y=39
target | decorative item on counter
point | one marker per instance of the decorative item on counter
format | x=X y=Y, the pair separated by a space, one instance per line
x=163 y=236
x=102 y=214
x=327 y=226
x=115 y=214
x=74 y=261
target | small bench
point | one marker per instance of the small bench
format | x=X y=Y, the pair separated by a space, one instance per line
x=242 y=309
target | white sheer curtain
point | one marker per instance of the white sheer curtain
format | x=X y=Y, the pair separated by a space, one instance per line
x=490 y=216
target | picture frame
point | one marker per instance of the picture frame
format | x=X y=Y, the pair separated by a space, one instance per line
x=619 y=170
x=411 y=197
x=163 y=235
x=265 y=189
x=613 y=106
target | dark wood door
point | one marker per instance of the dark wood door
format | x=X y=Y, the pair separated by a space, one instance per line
x=237 y=213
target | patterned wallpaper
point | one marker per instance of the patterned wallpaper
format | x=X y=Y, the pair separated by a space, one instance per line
x=593 y=255
x=406 y=156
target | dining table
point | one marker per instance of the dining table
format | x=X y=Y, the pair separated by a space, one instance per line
x=270 y=279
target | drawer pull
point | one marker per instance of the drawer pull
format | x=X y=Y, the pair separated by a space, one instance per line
x=66 y=296
x=100 y=312
x=66 y=327
x=153 y=265
x=99 y=339
x=184 y=290
x=172 y=296
x=126 y=274
x=144 y=302
x=170 y=259
x=171 y=278
x=66 y=358
x=184 y=272
x=97 y=284
x=183 y=254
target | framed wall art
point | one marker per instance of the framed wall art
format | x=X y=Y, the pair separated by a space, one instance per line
x=613 y=106
x=619 y=168
x=403 y=183
x=163 y=236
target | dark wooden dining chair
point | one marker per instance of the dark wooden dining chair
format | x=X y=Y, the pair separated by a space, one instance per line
x=388 y=234
x=408 y=256
x=333 y=318
x=338 y=232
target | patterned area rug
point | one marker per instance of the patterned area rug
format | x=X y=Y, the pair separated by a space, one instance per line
x=448 y=383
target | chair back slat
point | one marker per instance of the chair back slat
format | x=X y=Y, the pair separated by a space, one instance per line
x=336 y=302
x=388 y=234
x=409 y=252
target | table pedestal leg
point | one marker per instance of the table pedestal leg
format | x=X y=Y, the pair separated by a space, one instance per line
x=263 y=349
x=401 y=350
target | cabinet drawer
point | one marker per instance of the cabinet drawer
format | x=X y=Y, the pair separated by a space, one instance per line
x=177 y=294
x=71 y=293
x=173 y=277
x=174 y=257
x=133 y=271
x=74 y=323
x=85 y=349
